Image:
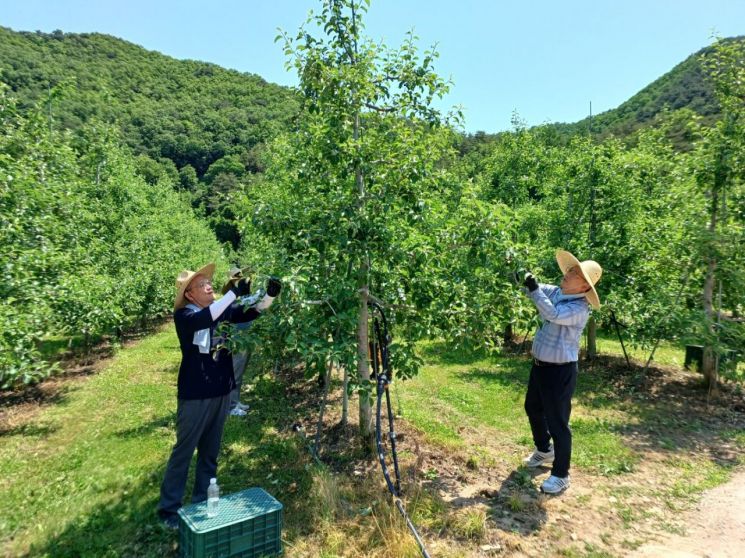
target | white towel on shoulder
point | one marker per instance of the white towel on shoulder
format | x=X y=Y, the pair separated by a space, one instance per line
x=201 y=337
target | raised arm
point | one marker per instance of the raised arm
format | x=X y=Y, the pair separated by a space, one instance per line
x=574 y=313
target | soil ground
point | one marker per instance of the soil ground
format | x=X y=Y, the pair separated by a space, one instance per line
x=715 y=527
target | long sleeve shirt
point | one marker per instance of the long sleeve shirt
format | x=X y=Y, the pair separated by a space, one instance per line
x=564 y=318
x=205 y=370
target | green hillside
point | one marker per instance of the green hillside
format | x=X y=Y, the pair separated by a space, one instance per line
x=683 y=87
x=192 y=113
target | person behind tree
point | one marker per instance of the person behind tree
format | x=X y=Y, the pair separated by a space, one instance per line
x=240 y=359
x=205 y=380
x=548 y=403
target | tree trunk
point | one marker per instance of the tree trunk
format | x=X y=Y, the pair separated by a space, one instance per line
x=507 y=335
x=345 y=399
x=363 y=369
x=709 y=364
x=324 y=399
x=592 y=331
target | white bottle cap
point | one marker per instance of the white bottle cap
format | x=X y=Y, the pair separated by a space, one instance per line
x=213 y=481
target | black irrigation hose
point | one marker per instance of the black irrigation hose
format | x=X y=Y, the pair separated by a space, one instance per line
x=381 y=369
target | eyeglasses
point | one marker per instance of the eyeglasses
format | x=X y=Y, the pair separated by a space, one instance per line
x=200 y=285
x=576 y=271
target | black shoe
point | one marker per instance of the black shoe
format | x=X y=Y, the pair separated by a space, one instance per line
x=169 y=521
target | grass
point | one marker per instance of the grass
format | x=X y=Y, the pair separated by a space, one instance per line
x=461 y=399
x=82 y=477
x=82 y=470
x=515 y=503
x=451 y=393
x=469 y=524
x=667 y=352
x=486 y=394
x=56 y=346
x=101 y=439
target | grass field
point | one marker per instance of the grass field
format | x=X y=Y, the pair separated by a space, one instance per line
x=82 y=468
x=83 y=458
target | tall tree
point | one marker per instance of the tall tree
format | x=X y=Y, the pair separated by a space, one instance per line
x=721 y=171
x=363 y=166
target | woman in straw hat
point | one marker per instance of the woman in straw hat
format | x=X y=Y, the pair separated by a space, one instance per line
x=205 y=380
x=548 y=403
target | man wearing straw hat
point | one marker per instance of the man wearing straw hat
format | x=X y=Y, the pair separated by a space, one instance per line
x=205 y=380
x=548 y=403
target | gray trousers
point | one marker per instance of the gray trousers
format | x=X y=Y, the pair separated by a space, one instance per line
x=239 y=367
x=199 y=424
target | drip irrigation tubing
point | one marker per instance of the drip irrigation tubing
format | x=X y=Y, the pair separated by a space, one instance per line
x=379 y=346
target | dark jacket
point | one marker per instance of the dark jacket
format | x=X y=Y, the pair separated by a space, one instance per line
x=202 y=376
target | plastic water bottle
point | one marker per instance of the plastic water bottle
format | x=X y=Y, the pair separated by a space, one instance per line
x=213 y=498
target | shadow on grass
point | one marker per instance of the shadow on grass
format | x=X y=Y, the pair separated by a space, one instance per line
x=52 y=391
x=511 y=373
x=257 y=450
x=66 y=347
x=29 y=431
x=148 y=428
x=517 y=506
x=671 y=409
x=440 y=352
x=124 y=526
x=664 y=410
x=75 y=360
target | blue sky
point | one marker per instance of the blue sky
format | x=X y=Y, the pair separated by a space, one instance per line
x=545 y=60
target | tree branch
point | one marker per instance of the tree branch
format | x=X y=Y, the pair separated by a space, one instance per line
x=379 y=109
x=376 y=300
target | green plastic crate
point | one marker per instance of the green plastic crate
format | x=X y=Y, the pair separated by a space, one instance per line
x=248 y=525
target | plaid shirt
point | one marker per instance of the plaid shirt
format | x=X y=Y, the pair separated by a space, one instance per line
x=564 y=318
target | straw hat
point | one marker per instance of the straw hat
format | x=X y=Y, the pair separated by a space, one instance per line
x=184 y=279
x=235 y=273
x=591 y=271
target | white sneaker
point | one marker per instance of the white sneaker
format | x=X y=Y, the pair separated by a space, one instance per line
x=539 y=458
x=237 y=412
x=242 y=406
x=555 y=485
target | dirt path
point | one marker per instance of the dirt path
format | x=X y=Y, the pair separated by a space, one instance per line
x=716 y=527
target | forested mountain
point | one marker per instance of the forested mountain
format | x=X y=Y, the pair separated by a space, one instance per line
x=684 y=86
x=192 y=113
x=197 y=124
